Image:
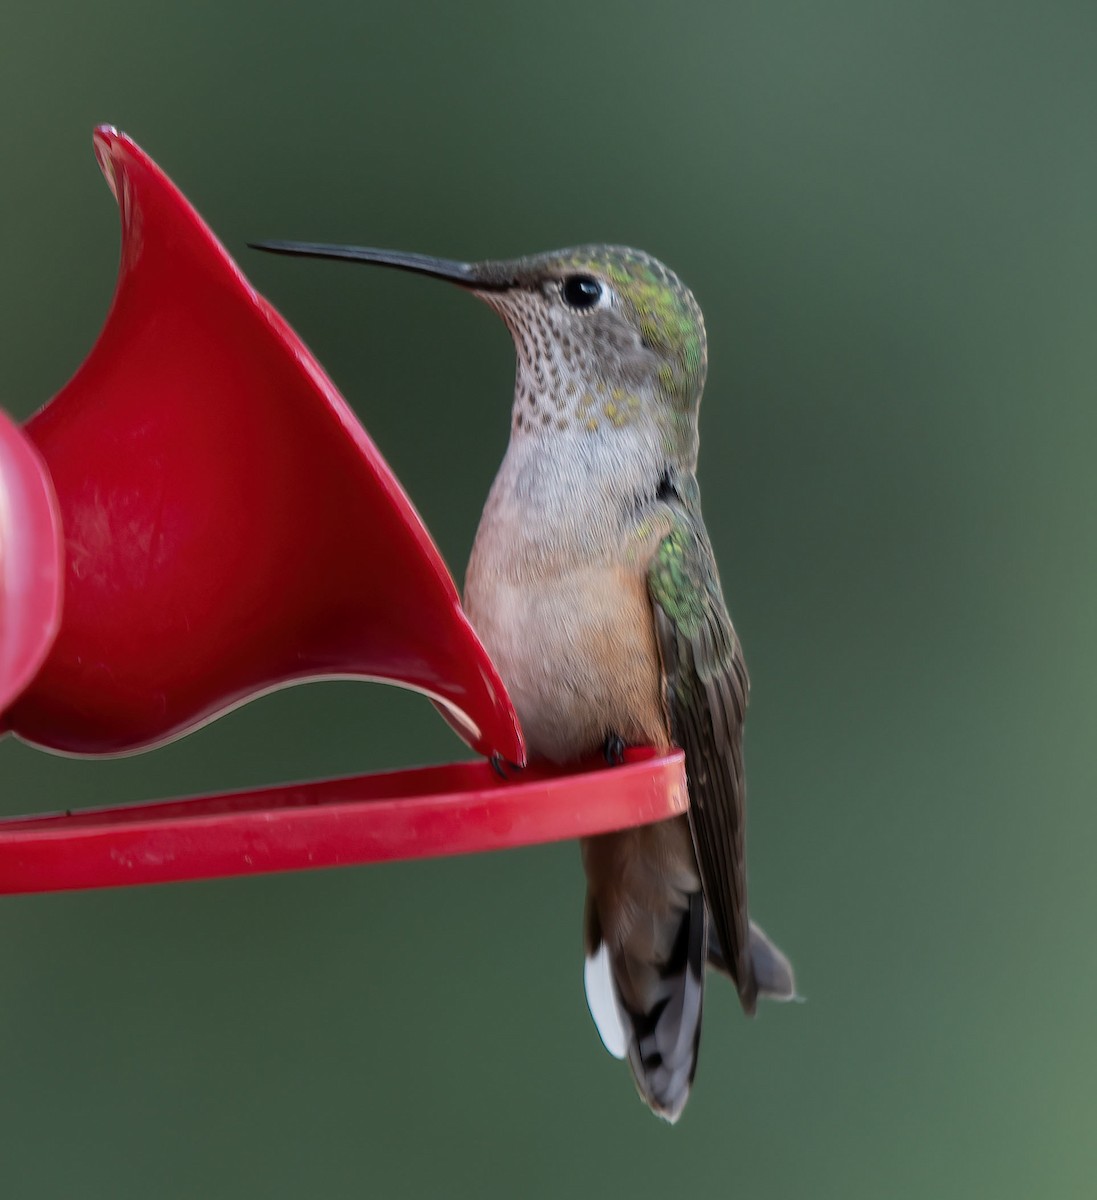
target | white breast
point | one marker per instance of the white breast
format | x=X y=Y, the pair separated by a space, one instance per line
x=557 y=592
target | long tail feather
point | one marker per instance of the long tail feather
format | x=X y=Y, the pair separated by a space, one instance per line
x=659 y=1028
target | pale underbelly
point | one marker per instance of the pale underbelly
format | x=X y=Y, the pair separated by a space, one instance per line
x=577 y=654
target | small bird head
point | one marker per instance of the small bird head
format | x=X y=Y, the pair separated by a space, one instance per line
x=606 y=336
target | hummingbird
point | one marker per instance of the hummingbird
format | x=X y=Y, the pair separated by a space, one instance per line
x=593 y=585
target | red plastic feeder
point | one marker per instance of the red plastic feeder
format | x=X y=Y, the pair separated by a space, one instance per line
x=198 y=518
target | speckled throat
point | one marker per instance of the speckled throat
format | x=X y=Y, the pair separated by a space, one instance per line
x=566 y=379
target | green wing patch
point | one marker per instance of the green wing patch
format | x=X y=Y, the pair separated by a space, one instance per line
x=706 y=692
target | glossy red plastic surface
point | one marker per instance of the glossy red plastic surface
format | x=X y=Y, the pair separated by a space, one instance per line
x=229 y=526
x=197 y=518
x=30 y=562
x=374 y=818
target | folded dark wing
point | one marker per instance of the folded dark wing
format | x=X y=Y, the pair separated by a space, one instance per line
x=706 y=692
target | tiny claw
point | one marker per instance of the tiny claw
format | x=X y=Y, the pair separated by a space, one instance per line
x=614 y=749
x=499 y=765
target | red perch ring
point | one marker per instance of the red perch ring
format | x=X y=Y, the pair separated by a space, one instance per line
x=421 y=813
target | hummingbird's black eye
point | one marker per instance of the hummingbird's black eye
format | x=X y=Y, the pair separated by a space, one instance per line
x=580 y=291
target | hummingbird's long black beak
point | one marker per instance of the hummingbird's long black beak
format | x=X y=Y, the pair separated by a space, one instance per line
x=481 y=276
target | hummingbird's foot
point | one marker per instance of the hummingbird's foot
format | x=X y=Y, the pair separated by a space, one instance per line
x=499 y=765
x=614 y=749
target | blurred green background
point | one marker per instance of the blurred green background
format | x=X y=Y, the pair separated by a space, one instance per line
x=887 y=212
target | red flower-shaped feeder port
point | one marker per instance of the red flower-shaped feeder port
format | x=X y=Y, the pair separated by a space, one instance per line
x=197 y=518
